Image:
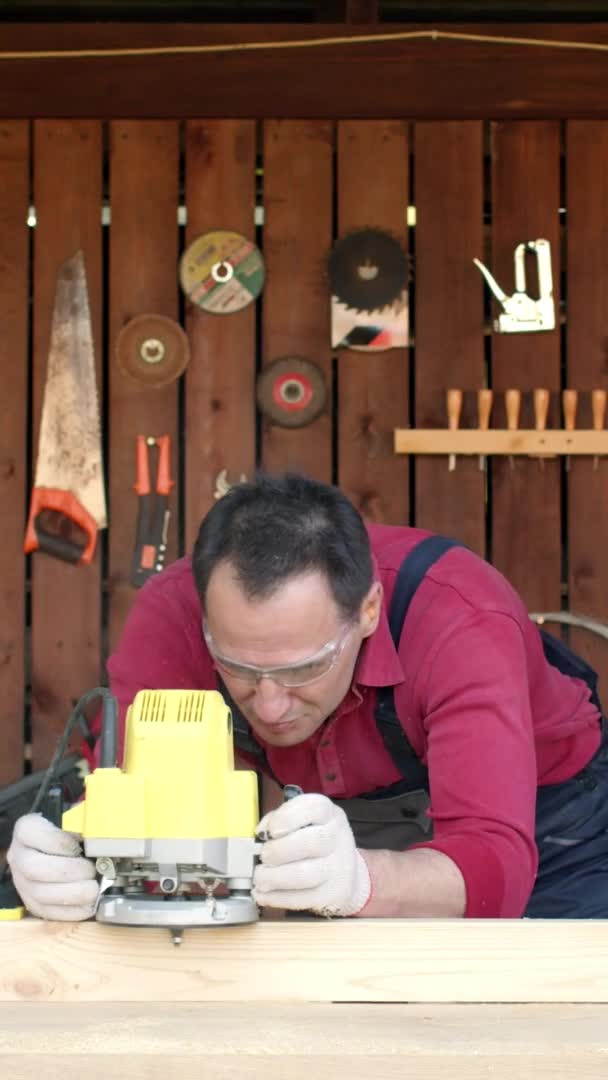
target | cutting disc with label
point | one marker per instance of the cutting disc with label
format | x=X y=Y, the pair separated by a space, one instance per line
x=152 y=349
x=368 y=270
x=291 y=391
x=222 y=272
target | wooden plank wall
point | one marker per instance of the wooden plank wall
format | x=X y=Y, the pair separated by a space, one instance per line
x=14 y=291
x=478 y=189
x=65 y=604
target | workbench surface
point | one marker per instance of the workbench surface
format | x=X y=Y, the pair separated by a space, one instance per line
x=296 y=1041
x=289 y=999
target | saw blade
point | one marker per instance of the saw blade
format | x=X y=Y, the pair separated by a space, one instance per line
x=69 y=445
x=152 y=349
x=222 y=272
x=291 y=391
x=368 y=270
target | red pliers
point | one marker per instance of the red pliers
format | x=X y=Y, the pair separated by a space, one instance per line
x=153 y=513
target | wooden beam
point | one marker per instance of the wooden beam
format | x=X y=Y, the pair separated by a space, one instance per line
x=528 y=442
x=355 y=960
x=390 y=1042
x=419 y=78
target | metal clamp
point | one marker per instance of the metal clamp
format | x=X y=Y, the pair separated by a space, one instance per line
x=568 y=618
x=522 y=313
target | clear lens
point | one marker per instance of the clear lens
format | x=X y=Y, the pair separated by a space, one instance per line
x=290 y=677
x=297 y=675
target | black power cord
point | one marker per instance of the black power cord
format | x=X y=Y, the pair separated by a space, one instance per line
x=108 y=752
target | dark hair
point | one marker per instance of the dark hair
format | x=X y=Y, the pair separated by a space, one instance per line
x=276 y=527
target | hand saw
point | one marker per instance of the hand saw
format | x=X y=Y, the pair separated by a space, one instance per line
x=68 y=504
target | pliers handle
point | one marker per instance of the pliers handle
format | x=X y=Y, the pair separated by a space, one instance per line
x=153 y=513
x=164 y=483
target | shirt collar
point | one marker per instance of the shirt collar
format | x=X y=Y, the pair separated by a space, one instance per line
x=378 y=663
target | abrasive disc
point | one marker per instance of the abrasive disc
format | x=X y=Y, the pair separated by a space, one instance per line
x=152 y=349
x=221 y=272
x=291 y=391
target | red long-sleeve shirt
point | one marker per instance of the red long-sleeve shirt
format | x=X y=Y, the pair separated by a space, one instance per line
x=477 y=699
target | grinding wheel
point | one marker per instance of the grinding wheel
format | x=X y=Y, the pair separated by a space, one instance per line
x=291 y=391
x=152 y=349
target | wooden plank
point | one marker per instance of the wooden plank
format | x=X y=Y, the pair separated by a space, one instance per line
x=362 y=11
x=298 y=158
x=390 y=79
x=526 y=535
x=356 y=960
x=143 y=280
x=65 y=641
x=373 y=389
x=587 y=268
x=220 y=381
x=14 y=299
x=523 y=442
x=449 y=317
x=470 y=1042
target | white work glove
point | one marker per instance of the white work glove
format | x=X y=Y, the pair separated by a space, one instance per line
x=51 y=875
x=310 y=861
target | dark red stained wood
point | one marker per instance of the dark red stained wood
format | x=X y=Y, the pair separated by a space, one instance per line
x=65 y=599
x=373 y=387
x=449 y=317
x=143 y=280
x=362 y=11
x=419 y=78
x=526 y=495
x=220 y=381
x=587 y=267
x=297 y=241
x=14 y=197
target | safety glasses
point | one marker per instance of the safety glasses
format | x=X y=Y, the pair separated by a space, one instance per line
x=303 y=673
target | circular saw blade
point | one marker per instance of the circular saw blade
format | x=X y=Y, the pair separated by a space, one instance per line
x=152 y=349
x=291 y=391
x=222 y=272
x=368 y=270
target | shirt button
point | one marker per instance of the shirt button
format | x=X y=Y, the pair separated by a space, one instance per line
x=325 y=742
x=330 y=776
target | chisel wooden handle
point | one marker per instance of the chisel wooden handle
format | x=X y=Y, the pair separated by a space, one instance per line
x=598 y=408
x=484 y=410
x=512 y=406
x=541 y=408
x=569 y=405
x=454 y=407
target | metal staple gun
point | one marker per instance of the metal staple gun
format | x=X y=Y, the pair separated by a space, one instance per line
x=521 y=312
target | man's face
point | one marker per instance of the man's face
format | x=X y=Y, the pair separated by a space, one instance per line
x=293 y=625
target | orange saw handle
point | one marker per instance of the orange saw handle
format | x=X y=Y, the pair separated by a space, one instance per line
x=65 y=505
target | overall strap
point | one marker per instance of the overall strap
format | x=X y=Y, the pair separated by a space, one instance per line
x=409 y=576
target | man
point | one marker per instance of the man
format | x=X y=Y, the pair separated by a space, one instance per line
x=285 y=606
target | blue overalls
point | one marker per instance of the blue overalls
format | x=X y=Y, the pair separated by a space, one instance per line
x=571 y=817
